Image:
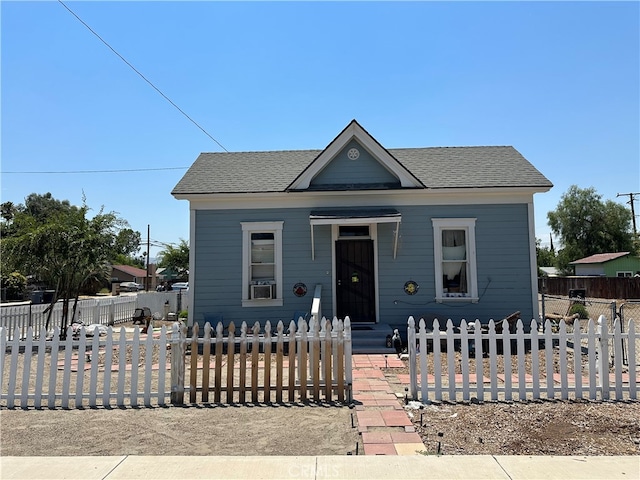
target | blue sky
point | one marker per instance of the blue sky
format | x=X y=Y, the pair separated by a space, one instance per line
x=558 y=81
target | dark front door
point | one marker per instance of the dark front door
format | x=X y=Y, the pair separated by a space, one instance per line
x=355 y=280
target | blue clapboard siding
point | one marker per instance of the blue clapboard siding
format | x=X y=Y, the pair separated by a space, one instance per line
x=502 y=256
x=217 y=286
x=364 y=170
x=502 y=252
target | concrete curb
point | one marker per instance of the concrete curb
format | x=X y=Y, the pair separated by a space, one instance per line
x=369 y=467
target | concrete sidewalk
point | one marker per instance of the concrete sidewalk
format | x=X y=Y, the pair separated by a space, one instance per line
x=369 y=467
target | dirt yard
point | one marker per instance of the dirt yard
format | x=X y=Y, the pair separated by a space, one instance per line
x=531 y=428
x=501 y=428
x=206 y=430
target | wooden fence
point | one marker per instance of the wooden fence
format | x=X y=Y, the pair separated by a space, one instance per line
x=125 y=367
x=317 y=363
x=596 y=287
x=496 y=366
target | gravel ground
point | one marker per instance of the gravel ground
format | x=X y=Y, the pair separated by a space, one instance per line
x=530 y=428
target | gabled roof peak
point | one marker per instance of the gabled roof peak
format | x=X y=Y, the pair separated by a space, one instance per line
x=355 y=131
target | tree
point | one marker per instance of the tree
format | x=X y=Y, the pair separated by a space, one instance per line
x=63 y=248
x=41 y=207
x=545 y=256
x=127 y=243
x=586 y=225
x=7 y=211
x=176 y=258
x=37 y=209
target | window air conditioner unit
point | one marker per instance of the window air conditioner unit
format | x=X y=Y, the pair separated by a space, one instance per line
x=262 y=292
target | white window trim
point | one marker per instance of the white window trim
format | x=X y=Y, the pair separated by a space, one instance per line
x=469 y=226
x=625 y=274
x=276 y=229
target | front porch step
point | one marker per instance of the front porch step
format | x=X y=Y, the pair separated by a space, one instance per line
x=371 y=340
x=371 y=350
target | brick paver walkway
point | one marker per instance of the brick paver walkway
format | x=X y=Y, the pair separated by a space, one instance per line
x=384 y=425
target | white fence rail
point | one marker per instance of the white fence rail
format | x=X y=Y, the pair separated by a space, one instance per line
x=126 y=367
x=90 y=311
x=481 y=363
x=100 y=310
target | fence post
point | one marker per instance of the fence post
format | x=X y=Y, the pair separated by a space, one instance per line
x=422 y=335
x=413 y=374
x=112 y=312
x=631 y=338
x=178 y=339
x=348 y=373
x=3 y=349
x=96 y=313
x=603 y=357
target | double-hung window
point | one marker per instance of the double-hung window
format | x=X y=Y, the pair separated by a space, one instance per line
x=454 y=242
x=261 y=264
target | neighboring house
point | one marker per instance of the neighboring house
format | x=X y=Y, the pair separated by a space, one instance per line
x=388 y=233
x=620 y=264
x=549 y=271
x=128 y=273
x=167 y=274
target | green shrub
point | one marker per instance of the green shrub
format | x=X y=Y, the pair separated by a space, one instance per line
x=16 y=285
x=580 y=309
x=183 y=314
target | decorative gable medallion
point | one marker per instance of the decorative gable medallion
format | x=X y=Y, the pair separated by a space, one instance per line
x=353 y=154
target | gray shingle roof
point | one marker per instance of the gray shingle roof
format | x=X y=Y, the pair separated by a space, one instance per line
x=436 y=167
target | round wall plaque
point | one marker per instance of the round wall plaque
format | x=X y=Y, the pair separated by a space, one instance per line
x=299 y=289
x=353 y=154
x=411 y=287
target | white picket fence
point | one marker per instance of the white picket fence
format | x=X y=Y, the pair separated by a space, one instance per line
x=533 y=365
x=100 y=310
x=18 y=319
x=68 y=373
x=125 y=367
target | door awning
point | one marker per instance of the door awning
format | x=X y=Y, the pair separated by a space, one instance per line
x=345 y=217
x=355 y=216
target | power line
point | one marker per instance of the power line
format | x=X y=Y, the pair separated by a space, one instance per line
x=96 y=171
x=142 y=76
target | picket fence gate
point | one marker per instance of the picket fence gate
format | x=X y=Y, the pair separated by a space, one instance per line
x=130 y=368
x=317 y=364
x=595 y=355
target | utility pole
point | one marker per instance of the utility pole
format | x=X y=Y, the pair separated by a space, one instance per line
x=148 y=245
x=633 y=213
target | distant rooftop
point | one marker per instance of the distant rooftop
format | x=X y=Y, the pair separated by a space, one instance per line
x=599 y=258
